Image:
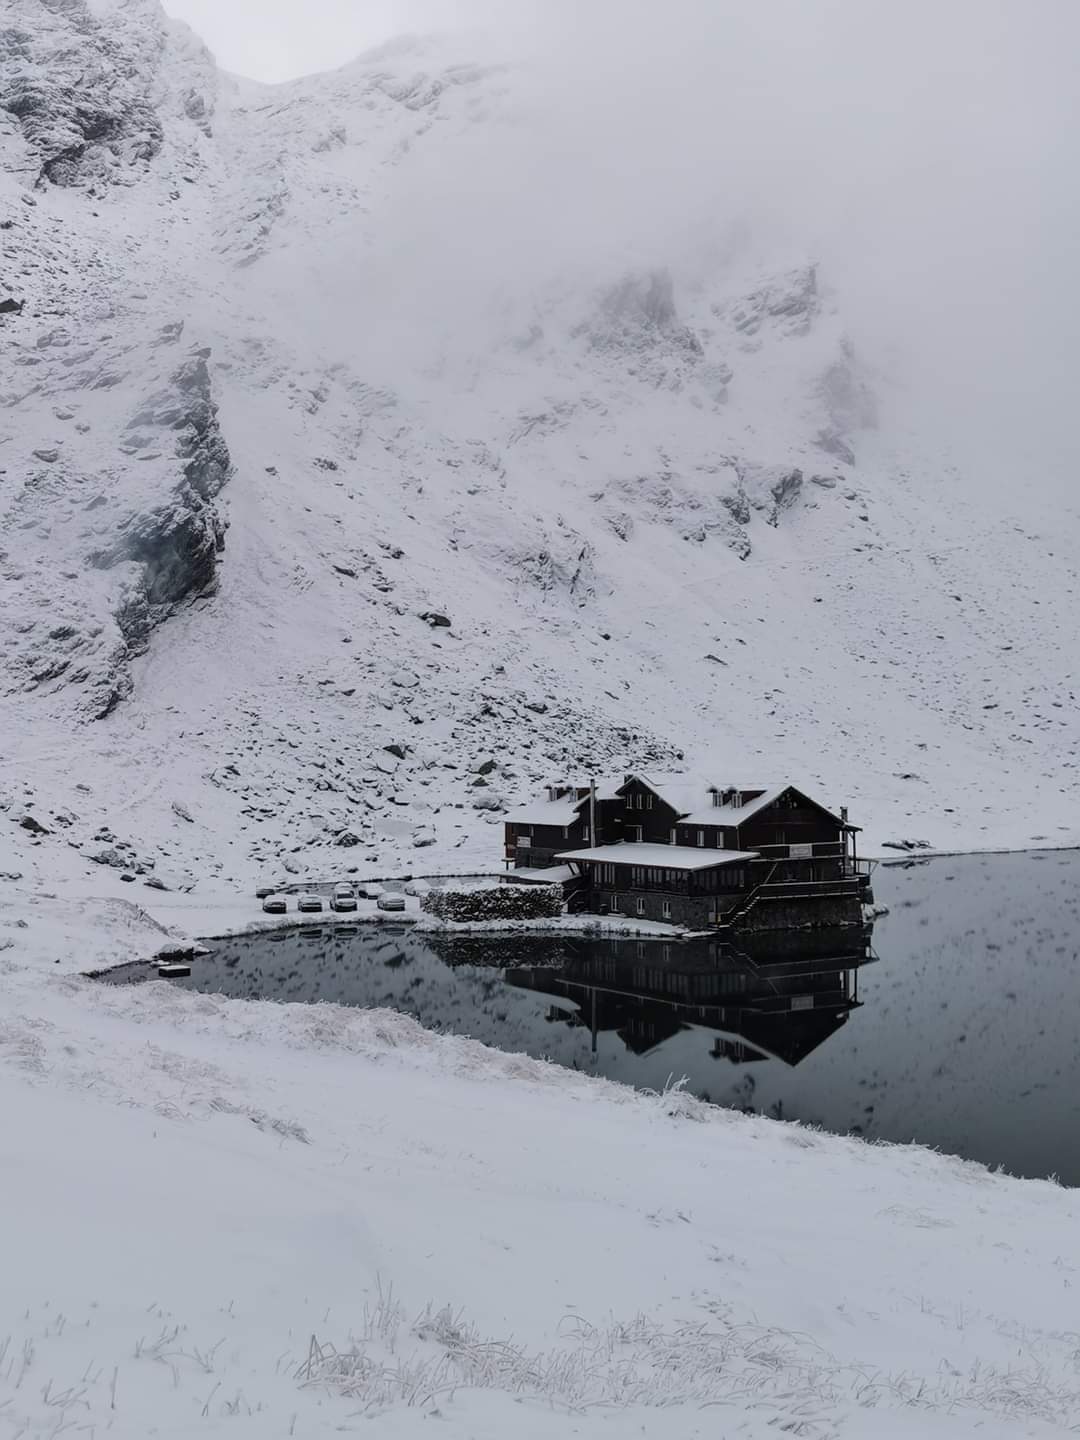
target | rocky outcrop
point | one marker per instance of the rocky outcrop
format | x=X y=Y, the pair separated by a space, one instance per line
x=174 y=546
x=80 y=91
x=637 y=322
x=789 y=303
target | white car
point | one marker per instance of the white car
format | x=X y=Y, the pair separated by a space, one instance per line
x=309 y=904
x=343 y=898
x=276 y=905
x=417 y=887
x=390 y=901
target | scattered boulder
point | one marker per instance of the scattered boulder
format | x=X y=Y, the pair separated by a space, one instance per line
x=34 y=826
x=347 y=839
x=398 y=751
x=107 y=855
x=435 y=620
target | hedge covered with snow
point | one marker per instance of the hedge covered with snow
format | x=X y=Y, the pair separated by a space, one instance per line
x=498 y=902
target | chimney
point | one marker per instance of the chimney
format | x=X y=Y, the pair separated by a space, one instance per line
x=843 y=814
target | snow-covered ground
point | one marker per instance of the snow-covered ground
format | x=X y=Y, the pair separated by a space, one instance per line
x=258 y=1219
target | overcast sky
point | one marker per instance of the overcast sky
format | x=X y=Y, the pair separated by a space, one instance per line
x=925 y=150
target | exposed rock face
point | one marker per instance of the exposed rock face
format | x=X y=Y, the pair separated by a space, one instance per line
x=153 y=547
x=85 y=109
x=637 y=321
x=791 y=302
x=175 y=545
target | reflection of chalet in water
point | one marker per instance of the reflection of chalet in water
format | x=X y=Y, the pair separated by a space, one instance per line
x=781 y=1004
x=673 y=849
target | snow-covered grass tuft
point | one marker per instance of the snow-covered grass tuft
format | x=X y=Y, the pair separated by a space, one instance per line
x=641 y=1363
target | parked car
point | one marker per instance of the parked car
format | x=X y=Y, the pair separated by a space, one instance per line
x=343 y=898
x=276 y=905
x=417 y=887
x=309 y=904
x=390 y=901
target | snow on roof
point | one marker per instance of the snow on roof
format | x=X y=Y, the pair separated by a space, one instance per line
x=547 y=812
x=669 y=857
x=682 y=792
x=548 y=875
x=710 y=814
x=691 y=798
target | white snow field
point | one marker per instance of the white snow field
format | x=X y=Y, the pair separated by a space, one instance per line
x=353 y=484
x=240 y=1218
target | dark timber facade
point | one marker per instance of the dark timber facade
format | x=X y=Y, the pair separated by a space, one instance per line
x=697 y=855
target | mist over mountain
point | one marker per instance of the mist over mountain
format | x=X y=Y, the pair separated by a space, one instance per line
x=681 y=386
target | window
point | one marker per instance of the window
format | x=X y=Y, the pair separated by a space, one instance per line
x=701 y=838
x=667 y=909
x=648 y=801
x=585 y=833
x=613 y=904
x=633 y=834
x=640 y=905
x=524 y=832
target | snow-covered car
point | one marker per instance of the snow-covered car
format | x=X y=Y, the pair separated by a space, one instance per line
x=370 y=892
x=343 y=898
x=276 y=905
x=391 y=901
x=309 y=904
x=417 y=887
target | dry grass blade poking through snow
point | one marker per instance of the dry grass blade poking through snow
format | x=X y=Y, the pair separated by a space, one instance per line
x=644 y=1364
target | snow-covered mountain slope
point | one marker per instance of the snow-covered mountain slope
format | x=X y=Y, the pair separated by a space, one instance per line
x=305 y=455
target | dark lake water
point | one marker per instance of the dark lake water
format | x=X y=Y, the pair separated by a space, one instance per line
x=958 y=1027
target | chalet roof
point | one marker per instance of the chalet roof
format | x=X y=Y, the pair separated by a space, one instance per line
x=668 y=857
x=548 y=875
x=710 y=814
x=547 y=812
x=682 y=792
x=692 y=800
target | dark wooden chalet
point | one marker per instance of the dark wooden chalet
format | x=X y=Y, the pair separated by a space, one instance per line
x=691 y=853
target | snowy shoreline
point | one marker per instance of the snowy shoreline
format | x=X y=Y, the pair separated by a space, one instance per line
x=354 y=1120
